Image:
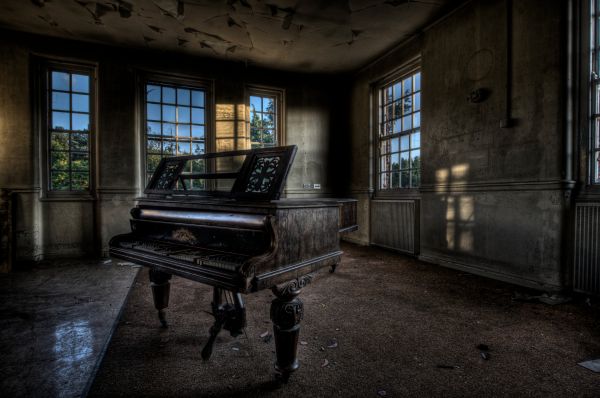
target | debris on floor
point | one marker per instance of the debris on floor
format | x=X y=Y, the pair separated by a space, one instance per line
x=382 y=393
x=545 y=298
x=593 y=365
x=484 y=351
x=324 y=363
x=303 y=343
x=332 y=343
x=266 y=336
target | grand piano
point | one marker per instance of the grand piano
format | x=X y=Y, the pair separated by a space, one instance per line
x=218 y=219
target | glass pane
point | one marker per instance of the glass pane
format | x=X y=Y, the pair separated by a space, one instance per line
x=168 y=129
x=388 y=95
x=80 y=161
x=184 y=148
x=152 y=162
x=60 y=121
x=407 y=108
x=407 y=86
x=415 y=157
x=81 y=122
x=597 y=173
x=417 y=103
x=406 y=123
x=153 y=93
x=384 y=147
x=198 y=98
x=60 y=101
x=268 y=121
x=198 y=148
x=80 y=181
x=183 y=130
x=268 y=105
x=183 y=96
x=397 y=91
x=415 y=139
x=415 y=178
x=198 y=115
x=418 y=81
x=397 y=125
x=404 y=160
x=153 y=128
x=183 y=114
x=395 y=162
x=168 y=148
x=390 y=111
x=81 y=102
x=416 y=119
x=168 y=113
x=388 y=128
x=384 y=163
x=59 y=141
x=404 y=143
x=59 y=161
x=405 y=179
x=153 y=146
x=395 y=180
x=268 y=136
x=395 y=142
x=168 y=95
x=197 y=131
x=153 y=111
x=255 y=103
x=384 y=181
x=81 y=83
x=198 y=166
x=59 y=181
x=79 y=141
x=60 y=81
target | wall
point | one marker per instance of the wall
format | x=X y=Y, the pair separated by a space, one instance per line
x=494 y=199
x=46 y=228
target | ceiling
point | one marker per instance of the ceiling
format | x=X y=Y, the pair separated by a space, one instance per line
x=309 y=36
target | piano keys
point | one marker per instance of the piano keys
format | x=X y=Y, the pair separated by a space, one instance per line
x=239 y=241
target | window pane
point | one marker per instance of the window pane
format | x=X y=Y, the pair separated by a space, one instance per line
x=81 y=122
x=60 y=101
x=384 y=147
x=198 y=115
x=183 y=130
x=60 y=81
x=79 y=181
x=81 y=83
x=405 y=179
x=183 y=96
x=406 y=123
x=404 y=143
x=79 y=161
x=268 y=105
x=407 y=108
x=415 y=178
x=153 y=128
x=417 y=101
x=395 y=180
x=394 y=142
x=404 y=160
x=384 y=181
x=198 y=148
x=416 y=119
x=59 y=180
x=184 y=148
x=255 y=103
x=153 y=146
x=385 y=162
x=597 y=162
x=59 y=161
x=397 y=91
x=198 y=165
x=395 y=162
x=198 y=98
x=79 y=141
x=168 y=129
x=81 y=102
x=168 y=95
x=168 y=148
x=418 y=81
x=153 y=111
x=397 y=125
x=415 y=139
x=168 y=113
x=407 y=86
x=268 y=137
x=183 y=114
x=268 y=121
x=415 y=157
x=152 y=162
x=59 y=141
x=197 y=131
x=60 y=121
x=153 y=93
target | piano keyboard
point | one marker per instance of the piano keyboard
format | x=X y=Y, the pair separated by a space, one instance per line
x=197 y=256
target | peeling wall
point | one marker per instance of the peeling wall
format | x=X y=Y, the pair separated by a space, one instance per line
x=49 y=228
x=493 y=200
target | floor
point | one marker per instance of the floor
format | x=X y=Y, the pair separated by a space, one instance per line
x=382 y=325
x=57 y=320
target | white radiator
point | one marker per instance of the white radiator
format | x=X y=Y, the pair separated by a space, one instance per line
x=395 y=225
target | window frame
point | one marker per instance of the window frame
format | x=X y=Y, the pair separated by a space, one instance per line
x=45 y=65
x=191 y=82
x=267 y=91
x=591 y=73
x=408 y=69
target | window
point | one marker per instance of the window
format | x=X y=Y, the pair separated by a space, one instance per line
x=399 y=133
x=265 y=119
x=595 y=92
x=69 y=128
x=176 y=122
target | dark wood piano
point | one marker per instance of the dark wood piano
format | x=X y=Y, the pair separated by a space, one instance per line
x=229 y=229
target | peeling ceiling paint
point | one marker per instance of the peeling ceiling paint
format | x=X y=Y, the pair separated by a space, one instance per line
x=310 y=36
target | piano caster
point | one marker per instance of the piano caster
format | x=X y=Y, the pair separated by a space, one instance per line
x=228 y=316
x=160 y=292
x=286 y=313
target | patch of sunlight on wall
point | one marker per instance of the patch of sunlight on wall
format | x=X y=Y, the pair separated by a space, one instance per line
x=231 y=132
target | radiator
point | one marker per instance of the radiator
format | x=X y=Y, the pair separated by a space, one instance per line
x=395 y=225
x=586 y=273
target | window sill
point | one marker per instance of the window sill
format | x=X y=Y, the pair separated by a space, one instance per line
x=400 y=193
x=67 y=197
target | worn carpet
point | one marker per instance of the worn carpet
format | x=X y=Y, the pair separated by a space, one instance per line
x=382 y=325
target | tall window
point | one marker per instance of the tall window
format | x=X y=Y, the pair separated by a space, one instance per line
x=265 y=119
x=595 y=94
x=399 y=131
x=69 y=118
x=175 y=122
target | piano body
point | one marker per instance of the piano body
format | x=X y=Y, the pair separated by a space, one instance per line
x=238 y=241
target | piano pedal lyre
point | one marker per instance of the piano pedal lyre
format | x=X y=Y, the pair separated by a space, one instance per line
x=228 y=316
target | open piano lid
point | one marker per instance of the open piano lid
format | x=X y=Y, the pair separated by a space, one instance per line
x=261 y=176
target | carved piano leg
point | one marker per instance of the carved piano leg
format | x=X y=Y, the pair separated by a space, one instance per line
x=160 y=292
x=286 y=314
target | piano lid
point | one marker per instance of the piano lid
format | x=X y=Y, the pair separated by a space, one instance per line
x=261 y=176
